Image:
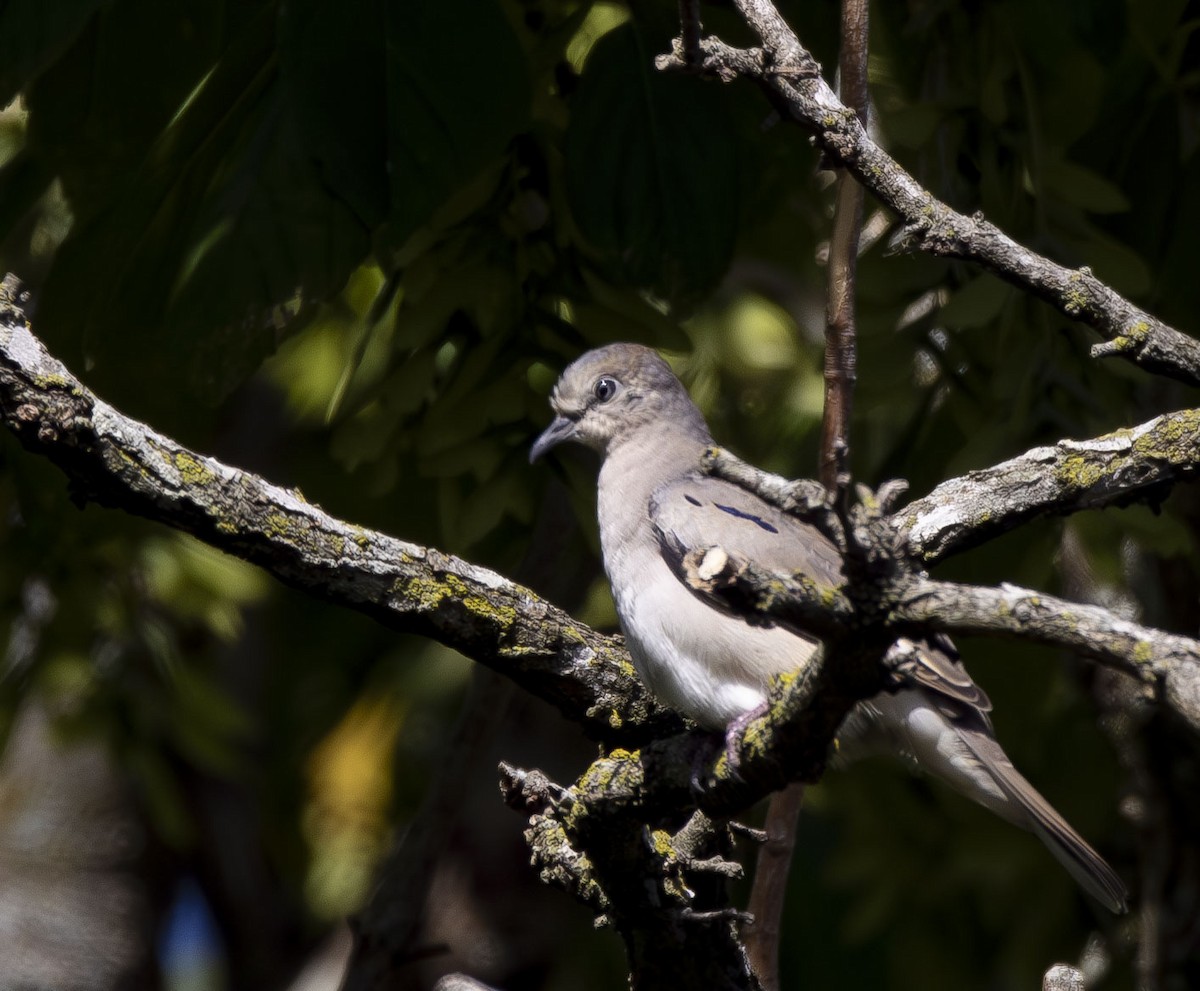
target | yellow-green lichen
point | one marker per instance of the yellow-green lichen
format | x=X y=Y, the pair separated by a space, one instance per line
x=785 y=678
x=660 y=841
x=360 y=537
x=191 y=470
x=277 y=525
x=427 y=591
x=623 y=665
x=133 y=462
x=675 y=889
x=1075 y=295
x=754 y=740
x=1079 y=471
x=620 y=770
x=1174 y=440
x=1143 y=652
x=1137 y=332
x=224 y=526
x=503 y=616
x=54 y=381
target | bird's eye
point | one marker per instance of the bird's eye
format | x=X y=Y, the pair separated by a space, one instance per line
x=605 y=388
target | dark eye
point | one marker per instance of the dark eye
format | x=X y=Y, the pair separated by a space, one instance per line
x=605 y=388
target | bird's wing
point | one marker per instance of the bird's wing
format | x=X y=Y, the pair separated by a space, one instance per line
x=697 y=512
x=934 y=664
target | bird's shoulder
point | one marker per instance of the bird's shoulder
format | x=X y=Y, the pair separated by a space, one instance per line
x=935 y=665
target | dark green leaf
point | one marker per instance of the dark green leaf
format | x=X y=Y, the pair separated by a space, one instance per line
x=32 y=34
x=652 y=166
x=393 y=131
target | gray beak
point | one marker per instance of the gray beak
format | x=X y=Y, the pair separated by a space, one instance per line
x=560 y=430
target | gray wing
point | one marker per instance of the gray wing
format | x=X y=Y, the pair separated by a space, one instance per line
x=701 y=511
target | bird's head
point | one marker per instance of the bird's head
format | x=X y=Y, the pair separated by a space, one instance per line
x=608 y=395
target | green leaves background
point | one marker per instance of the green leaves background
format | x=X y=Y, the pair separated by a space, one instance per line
x=350 y=246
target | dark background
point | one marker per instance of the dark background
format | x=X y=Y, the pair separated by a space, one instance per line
x=349 y=246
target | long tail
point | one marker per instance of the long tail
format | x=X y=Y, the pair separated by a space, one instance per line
x=1070 y=849
x=953 y=740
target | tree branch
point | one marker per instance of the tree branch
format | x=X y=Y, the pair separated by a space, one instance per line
x=662 y=890
x=790 y=73
x=1136 y=464
x=906 y=604
x=116 y=461
x=840 y=294
x=1169 y=665
x=767 y=894
x=119 y=462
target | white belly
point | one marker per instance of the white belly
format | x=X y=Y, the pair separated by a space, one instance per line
x=710 y=666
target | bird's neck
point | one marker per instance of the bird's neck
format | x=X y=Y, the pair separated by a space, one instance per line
x=634 y=469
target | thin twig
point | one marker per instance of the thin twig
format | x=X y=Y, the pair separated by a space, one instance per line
x=769 y=892
x=690 y=30
x=783 y=812
x=840 y=328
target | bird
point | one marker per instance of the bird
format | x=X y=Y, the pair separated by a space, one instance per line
x=624 y=402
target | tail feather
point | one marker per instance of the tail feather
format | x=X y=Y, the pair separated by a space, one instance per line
x=1070 y=849
x=953 y=740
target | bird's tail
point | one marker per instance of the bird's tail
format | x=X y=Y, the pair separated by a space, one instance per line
x=1070 y=849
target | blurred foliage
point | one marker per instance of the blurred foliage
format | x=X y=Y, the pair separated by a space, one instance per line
x=350 y=246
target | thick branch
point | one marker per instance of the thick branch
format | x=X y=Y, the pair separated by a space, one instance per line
x=119 y=462
x=664 y=893
x=789 y=742
x=792 y=75
x=653 y=890
x=1135 y=464
x=1140 y=463
x=911 y=605
x=1168 y=664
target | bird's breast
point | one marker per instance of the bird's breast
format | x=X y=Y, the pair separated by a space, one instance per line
x=709 y=665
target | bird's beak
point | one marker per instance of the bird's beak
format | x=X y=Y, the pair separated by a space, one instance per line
x=560 y=430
